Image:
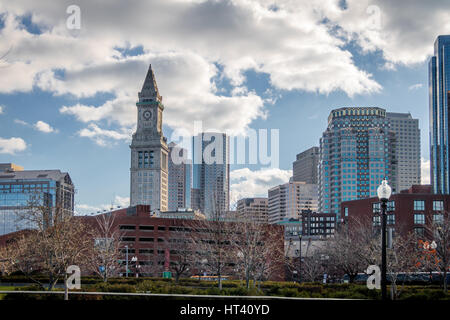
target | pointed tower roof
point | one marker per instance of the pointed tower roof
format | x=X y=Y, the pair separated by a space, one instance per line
x=150 y=88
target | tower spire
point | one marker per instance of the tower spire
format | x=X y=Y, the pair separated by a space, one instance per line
x=150 y=88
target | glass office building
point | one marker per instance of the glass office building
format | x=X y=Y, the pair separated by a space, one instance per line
x=211 y=173
x=19 y=189
x=357 y=151
x=439 y=96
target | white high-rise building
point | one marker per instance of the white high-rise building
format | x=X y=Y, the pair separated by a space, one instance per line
x=149 y=150
x=407 y=153
x=287 y=200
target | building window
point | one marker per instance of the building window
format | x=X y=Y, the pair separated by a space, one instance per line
x=146 y=239
x=438 y=205
x=419 y=218
x=419 y=205
x=391 y=206
x=127 y=227
x=145 y=251
x=376 y=221
x=438 y=218
x=128 y=239
x=146 y=228
x=376 y=207
x=390 y=219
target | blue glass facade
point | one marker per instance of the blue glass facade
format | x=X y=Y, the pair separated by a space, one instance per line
x=19 y=190
x=439 y=93
x=15 y=196
x=357 y=151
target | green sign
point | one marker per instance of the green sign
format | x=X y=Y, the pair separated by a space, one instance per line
x=167 y=274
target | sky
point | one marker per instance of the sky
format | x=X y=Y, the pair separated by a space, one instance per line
x=69 y=77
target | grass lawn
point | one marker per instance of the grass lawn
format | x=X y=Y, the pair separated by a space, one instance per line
x=5 y=289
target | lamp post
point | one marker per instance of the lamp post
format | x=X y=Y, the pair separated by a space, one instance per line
x=300 y=258
x=126 y=261
x=384 y=193
x=134 y=259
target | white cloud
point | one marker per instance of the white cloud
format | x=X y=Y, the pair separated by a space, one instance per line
x=415 y=86
x=44 y=127
x=425 y=171
x=12 y=145
x=300 y=46
x=102 y=136
x=2 y=109
x=247 y=183
x=403 y=31
x=21 y=122
x=185 y=41
x=83 y=209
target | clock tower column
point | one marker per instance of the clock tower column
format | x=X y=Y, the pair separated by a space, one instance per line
x=149 y=150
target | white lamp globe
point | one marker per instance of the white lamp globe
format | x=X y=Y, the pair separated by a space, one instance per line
x=384 y=191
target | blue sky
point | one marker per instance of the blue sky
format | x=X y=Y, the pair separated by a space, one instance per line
x=82 y=85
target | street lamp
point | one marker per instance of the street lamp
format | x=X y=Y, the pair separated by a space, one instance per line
x=384 y=193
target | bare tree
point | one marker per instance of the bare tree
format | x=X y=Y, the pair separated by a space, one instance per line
x=257 y=251
x=103 y=257
x=313 y=266
x=439 y=231
x=57 y=241
x=210 y=241
x=181 y=260
x=402 y=257
x=347 y=251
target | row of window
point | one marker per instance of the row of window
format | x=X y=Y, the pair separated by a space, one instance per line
x=419 y=218
x=419 y=205
x=151 y=228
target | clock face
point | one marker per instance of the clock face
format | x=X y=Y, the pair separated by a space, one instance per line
x=147 y=115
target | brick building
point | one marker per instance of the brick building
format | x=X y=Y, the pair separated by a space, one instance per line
x=410 y=210
x=153 y=243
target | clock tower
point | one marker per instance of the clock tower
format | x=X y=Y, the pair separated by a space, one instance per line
x=149 y=150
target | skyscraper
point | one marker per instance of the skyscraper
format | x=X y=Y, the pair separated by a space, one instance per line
x=211 y=173
x=286 y=201
x=407 y=135
x=305 y=166
x=357 y=151
x=439 y=96
x=20 y=189
x=179 y=178
x=149 y=150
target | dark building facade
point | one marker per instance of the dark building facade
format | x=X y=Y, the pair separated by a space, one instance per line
x=411 y=210
x=311 y=224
